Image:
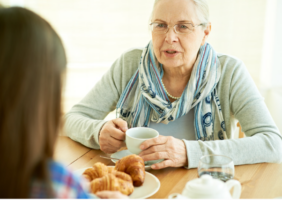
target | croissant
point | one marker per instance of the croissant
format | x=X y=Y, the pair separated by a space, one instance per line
x=111 y=169
x=134 y=166
x=97 y=171
x=111 y=183
x=102 y=177
x=120 y=175
x=125 y=187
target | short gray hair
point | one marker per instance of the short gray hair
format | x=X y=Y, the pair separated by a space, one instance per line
x=202 y=10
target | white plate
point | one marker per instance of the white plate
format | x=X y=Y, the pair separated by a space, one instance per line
x=123 y=153
x=150 y=186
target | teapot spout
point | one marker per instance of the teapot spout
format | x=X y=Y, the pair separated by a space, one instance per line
x=176 y=196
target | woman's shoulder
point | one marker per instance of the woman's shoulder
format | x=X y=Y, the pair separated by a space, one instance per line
x=133 y=53
x=58 y=170
x=130 y=58
x=231 y=65
x=64 y=180
x=125 y=66
x=229 y=61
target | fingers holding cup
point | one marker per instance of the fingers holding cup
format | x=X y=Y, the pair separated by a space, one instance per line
x=111 y=136
x=136 y=136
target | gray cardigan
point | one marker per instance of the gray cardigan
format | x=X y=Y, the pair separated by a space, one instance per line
x=239 y=98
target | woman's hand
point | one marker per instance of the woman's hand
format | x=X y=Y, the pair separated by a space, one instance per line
x=112 y=135
x=172 y=150
x=110 y=195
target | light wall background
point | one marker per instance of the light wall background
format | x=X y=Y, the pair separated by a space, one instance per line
x=96 y=32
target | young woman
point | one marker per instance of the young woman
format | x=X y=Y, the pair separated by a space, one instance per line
x=32 y=65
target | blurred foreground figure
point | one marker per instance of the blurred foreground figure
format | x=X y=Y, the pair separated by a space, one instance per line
x=32 y=62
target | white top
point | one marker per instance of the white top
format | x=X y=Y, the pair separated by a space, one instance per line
x=182 y=128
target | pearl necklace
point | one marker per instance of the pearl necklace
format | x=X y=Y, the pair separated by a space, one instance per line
x=168 y=93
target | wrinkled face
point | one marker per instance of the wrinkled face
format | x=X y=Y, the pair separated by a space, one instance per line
x=172 y=49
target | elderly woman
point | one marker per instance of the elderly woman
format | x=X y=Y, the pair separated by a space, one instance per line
x=179 y=85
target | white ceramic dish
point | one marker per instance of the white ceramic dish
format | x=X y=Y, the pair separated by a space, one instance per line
x=123 y=153
x=150 y=186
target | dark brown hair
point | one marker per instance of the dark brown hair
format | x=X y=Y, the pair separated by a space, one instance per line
x=32 y=59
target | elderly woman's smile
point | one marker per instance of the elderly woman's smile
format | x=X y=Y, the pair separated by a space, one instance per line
x=171 y=53
x=176 y=34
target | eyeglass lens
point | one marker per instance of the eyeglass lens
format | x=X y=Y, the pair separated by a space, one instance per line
x=179 y=28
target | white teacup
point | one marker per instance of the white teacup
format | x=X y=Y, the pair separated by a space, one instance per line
x=136 y=136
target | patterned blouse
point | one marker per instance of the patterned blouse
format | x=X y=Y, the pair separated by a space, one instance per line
x=65 y=184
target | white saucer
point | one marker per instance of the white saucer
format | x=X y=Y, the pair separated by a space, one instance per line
x=150 y=186
x=123 y=153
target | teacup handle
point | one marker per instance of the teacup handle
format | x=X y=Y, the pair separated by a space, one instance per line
x=176 y=196
x=237 y=188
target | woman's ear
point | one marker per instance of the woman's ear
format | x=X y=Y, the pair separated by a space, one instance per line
x=206 y=33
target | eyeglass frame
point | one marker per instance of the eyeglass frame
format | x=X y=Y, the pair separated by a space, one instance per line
x=174 y=27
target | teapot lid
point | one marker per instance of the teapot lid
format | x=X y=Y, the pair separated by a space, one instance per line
x=205 y=185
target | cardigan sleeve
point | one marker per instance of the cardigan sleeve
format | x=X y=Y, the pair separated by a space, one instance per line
x=240 y=98
x=84 y=121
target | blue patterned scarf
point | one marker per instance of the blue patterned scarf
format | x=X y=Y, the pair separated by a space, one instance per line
x=144 y=98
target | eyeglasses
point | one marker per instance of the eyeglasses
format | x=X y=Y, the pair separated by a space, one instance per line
x=183 y=28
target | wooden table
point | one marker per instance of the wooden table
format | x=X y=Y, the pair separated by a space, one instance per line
x=258 y=180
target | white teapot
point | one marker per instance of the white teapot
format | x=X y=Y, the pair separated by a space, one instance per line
x=206 y=187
